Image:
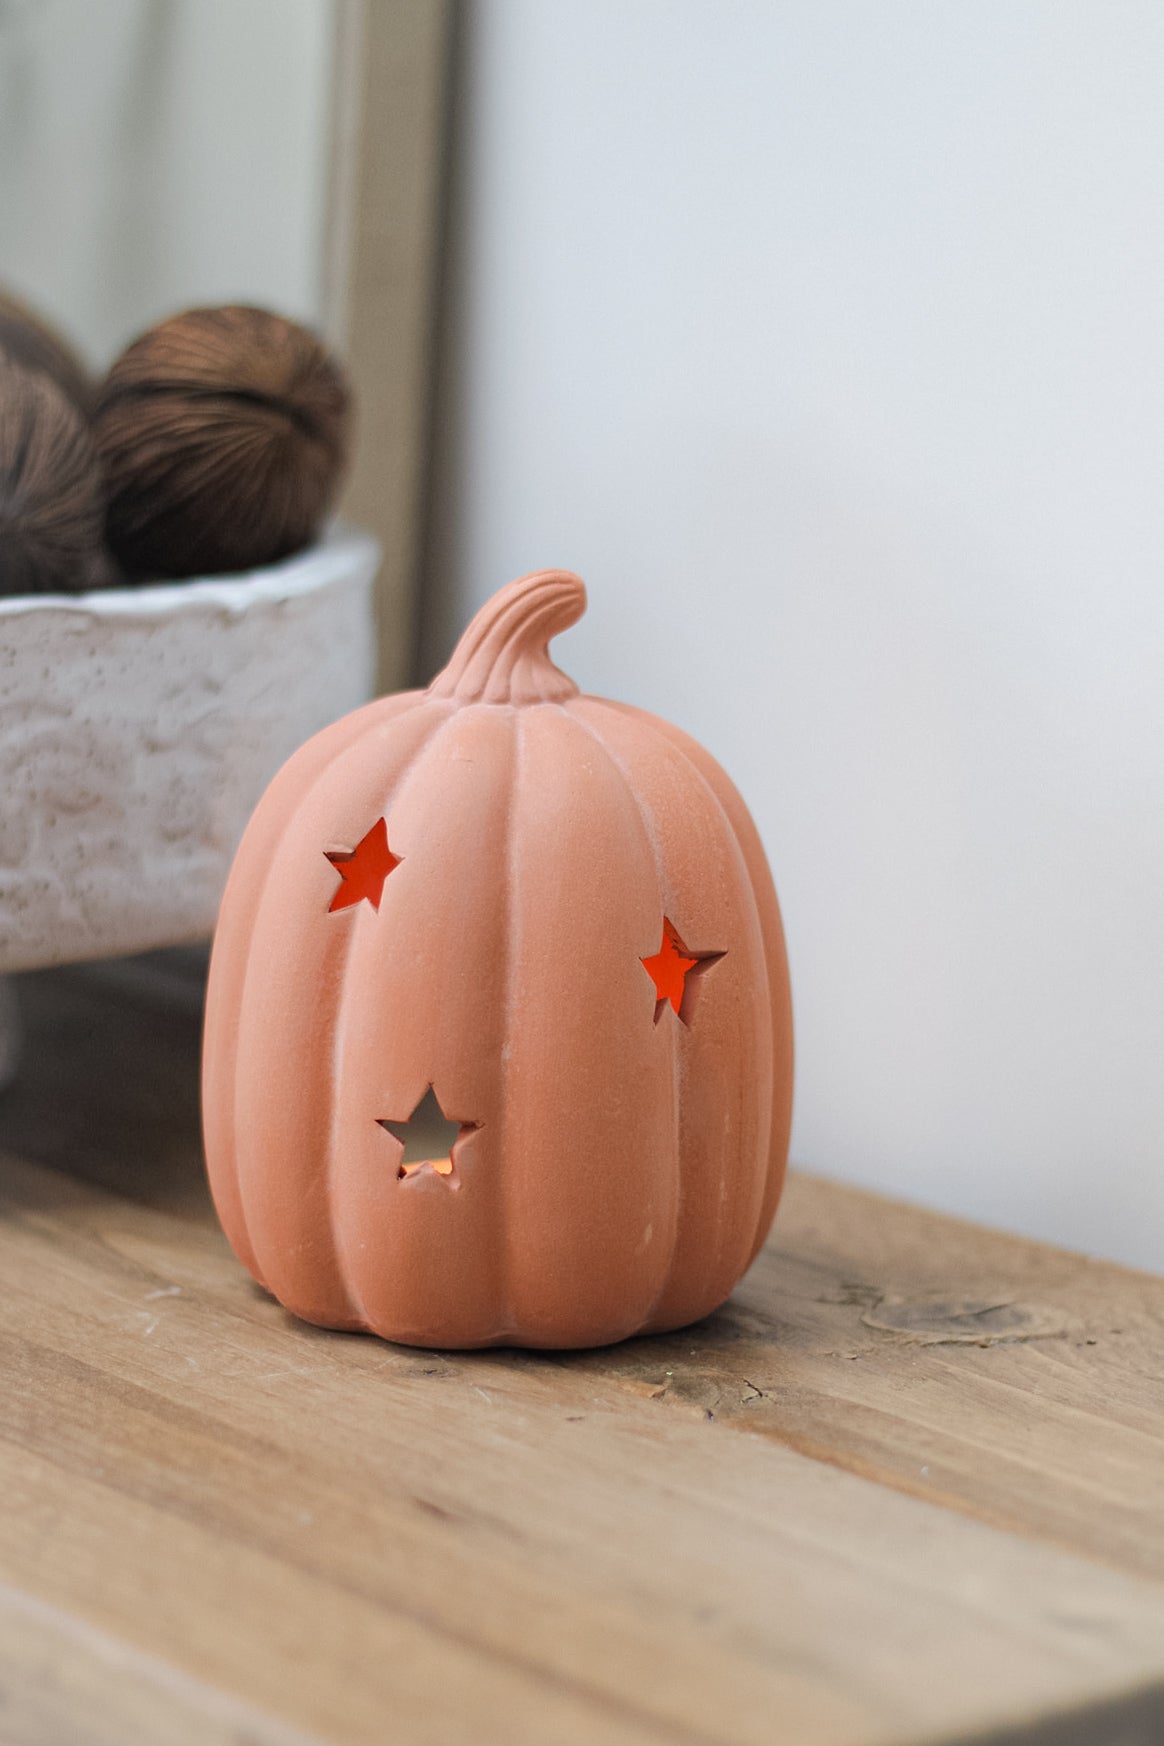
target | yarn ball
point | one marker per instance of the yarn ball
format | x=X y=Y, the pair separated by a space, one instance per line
x=28 y=340
x=51 y=502
x=223 y=435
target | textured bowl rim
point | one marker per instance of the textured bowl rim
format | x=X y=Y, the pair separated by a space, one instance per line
x=336 y=554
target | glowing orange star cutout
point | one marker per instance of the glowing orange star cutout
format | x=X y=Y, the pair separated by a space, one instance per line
x=669 y=970
x=362 y=870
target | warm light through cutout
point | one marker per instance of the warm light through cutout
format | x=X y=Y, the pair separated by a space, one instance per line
x=428 y=1140
x=675 y=969
x=362 y=870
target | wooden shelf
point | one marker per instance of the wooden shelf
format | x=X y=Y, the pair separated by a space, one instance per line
x=908 y=1486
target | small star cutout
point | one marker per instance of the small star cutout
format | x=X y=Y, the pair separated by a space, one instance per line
x=362 y=870
x=428 y=1139
x=669 y=970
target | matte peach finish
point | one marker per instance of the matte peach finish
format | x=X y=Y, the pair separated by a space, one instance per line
x=566 y=927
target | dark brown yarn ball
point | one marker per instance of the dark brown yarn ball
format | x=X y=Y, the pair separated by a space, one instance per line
x=28 y=340
x=223 y=436
x=51 y=503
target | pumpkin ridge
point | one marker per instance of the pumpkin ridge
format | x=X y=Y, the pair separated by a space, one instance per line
x=578 y=741
x=682 y=742
x=655 y=728
x=652 y=836
x=230 y=1175
x=321 y=777
x=512 y=924
x=346 y=982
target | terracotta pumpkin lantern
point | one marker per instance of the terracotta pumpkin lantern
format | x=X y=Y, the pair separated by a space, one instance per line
x=546 y=922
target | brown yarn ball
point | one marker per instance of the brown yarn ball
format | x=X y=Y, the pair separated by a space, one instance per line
x=223 y=436
x=51 y=502
x=28 y=340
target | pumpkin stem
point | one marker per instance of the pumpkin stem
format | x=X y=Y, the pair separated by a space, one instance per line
x=503 y=656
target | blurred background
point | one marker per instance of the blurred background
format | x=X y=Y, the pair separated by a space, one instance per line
x=826 y=342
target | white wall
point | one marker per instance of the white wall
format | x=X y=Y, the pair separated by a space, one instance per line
x=159 y=153
x=827 y=342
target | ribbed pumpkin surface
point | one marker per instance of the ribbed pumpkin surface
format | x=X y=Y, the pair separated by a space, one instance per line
x=623 y=1095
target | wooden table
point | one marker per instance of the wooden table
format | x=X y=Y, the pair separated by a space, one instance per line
x=908 y=1486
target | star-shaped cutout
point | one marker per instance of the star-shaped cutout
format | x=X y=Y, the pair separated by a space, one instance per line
x=428 y=1140
x=362 y=870
x=670 y=969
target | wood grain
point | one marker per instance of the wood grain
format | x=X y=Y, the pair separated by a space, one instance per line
x=368 y=1543
x=1028 y=1390
x=62 y=1680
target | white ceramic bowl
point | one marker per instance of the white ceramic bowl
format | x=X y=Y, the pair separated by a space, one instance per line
x=138 y=728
